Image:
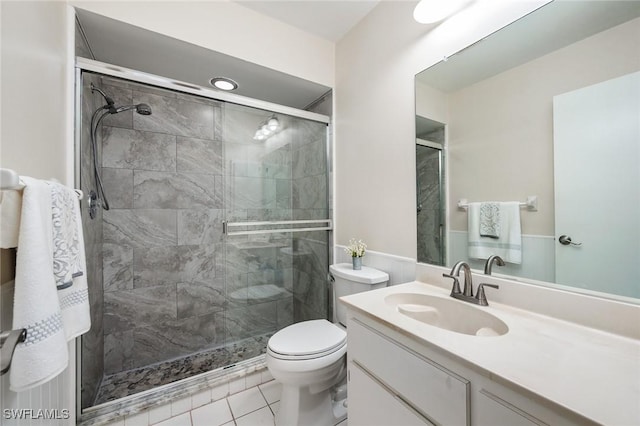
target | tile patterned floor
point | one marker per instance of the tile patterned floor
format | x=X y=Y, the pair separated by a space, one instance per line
x=255 y=406
x=130 y=382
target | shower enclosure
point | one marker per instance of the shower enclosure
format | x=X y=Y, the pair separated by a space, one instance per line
x=213 y=240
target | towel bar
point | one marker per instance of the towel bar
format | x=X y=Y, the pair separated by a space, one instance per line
x=8 y=342
x=9 y=179
x=531 y=204
x=227 y=225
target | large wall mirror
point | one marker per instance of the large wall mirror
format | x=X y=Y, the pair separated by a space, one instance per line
x=548 y=107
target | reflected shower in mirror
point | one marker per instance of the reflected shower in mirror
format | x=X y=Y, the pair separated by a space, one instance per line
x=430 y=190
x=517 y=110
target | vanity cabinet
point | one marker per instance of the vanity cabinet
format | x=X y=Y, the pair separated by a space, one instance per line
x=493 y=410
x=436 y=394
x=373 y=403
x=395 y=380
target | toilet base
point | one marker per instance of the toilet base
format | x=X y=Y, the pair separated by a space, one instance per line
x=298 y=406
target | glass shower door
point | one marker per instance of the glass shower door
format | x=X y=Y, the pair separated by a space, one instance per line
x=277 y=242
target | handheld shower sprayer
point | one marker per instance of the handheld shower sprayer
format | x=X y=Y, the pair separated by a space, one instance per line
x=142 y=109
x=97 y=117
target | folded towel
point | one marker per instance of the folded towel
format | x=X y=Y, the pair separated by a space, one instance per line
x=508 y=245
x=490 y=220
x=10 y=208
x=51 y=317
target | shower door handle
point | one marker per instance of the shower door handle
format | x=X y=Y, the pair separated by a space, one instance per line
x=565 y=240
x=272 y=227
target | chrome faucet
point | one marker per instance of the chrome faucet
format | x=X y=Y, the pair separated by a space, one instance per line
x=487 y=266
x=467 y=293
x=455 y=274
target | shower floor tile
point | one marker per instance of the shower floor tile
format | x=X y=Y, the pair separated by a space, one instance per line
x=130 y=382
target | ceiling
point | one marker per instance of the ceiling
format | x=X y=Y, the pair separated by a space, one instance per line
x=551 y=27
x=118 y=43
x=328 y=19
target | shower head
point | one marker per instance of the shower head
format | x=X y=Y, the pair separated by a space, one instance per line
x=142 y=109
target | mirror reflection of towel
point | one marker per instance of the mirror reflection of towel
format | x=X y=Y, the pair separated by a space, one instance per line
x=508 y=245
x=490 y=220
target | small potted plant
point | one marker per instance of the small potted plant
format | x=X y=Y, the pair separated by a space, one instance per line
x=356 y=249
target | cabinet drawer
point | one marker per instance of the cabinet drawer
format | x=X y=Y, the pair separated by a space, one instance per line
x=438 y=393
x=494 y=411
x=371 y=404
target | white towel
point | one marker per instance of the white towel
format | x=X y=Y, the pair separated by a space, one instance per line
x=10 y=210
x=51 y=316
x=508 y=245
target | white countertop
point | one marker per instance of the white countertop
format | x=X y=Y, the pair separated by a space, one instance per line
x=590 y=372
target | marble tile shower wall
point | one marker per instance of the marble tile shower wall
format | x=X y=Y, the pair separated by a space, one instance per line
x=163 y=297
x=172 y=285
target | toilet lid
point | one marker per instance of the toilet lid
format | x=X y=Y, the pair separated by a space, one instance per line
x=315 y=337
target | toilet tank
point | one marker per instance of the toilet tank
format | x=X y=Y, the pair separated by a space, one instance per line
x=349 y=281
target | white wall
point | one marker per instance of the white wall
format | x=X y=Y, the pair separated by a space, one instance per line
x=35 y=128
x=36 y=140
x=375 y=114
x=229 y=28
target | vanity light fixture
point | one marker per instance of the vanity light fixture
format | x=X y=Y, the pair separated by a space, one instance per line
x=432 y=11
x=223 y=83
x=267 y=129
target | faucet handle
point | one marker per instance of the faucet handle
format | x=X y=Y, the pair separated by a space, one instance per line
x=456 y=283
x=480 y=296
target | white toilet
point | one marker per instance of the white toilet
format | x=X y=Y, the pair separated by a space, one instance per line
x=309 y=358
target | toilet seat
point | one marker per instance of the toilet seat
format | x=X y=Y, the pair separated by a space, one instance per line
x=307 y=340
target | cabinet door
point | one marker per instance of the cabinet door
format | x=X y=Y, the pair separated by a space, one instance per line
x=494 y=411
x=372 y=404
x=439 y=393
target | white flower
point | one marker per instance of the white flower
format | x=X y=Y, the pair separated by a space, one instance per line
x=356 y=248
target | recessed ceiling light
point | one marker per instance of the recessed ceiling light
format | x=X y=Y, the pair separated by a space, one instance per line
x=273 y=124
x=223 y=83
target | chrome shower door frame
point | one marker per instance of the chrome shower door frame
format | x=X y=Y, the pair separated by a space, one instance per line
x=83 y=64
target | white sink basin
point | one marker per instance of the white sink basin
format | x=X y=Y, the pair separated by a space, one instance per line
x=448 y=314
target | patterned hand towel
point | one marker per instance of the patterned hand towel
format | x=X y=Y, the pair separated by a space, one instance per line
x=490 y=220
x=69 y=261
x=66 y=244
